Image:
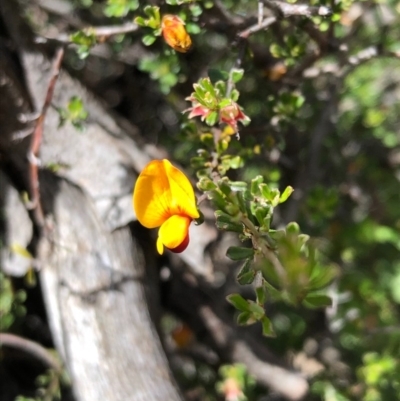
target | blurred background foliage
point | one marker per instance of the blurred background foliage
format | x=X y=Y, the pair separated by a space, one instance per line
x=323 y=96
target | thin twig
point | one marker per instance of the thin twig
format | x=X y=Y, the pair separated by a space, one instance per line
x=224 y=15
x=257 y=27
x=260 y=12
x=236 y=65
x=364 y=55
x=32 y=348
x=283 y=10
x=100 y=32
x=34 y=149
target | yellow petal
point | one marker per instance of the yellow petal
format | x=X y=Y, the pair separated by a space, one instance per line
x=174 y=231
x=183 y=201
x=160 y=246
x=152 y=195
x=162 y=191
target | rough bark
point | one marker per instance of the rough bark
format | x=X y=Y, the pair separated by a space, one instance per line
x=93 y=282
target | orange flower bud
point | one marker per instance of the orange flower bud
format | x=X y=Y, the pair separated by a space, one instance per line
x=174 y=33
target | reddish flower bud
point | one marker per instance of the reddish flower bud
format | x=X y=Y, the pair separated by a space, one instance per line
x=231 y=114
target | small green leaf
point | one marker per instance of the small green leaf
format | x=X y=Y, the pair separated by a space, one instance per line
x=197 y=162
x=235 y=95
x=286 y=193
x=225 y=222
x=193 y=28
x=224 y=186
x=322 y=276
x=222 y=216
x=148 y=40
x=237 y=75
x=232 y=209
x=120 y=8
x=212 y=118
x=139 y=21
x=152 y=11
x=266 y=224
x=246 y=274
x=207 y=139
x=239 y=253
x=224 y=102
x=265 y=190
x=245 y=319
x=243 y=202
x=205 y=184
x=238 y=302
x=299 y=101
x=246 y=278
x=238 y=185
x=292 y=228
x=276 y=50
x=222 y=145
x=255 y=185
x=313 y=300
x=236 y=162
x=274 y=196
x=208 y=86
x=261 y=212
x=217 y=199
x=195 y=9
x=261 y=294
x=257 y=310
x=267 y=327
x=303 y=239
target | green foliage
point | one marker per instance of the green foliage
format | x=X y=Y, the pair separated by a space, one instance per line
x=178 y=2
x=74 y=113
x=165 y=69
x=215 y=102
x=290 y=50
x=381 y=376
x=85 y=41
x=48 y=387
x=151 y=20
x=11 y=303
x=120 y=8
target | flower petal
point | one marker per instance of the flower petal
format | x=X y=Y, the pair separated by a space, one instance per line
x=174 y=232
x=160 y=246
x=162 y=191
x=152 y=195
x=183 y=201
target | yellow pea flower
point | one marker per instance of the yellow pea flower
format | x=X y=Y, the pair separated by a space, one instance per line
x=174 y=33
x=163 y=197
